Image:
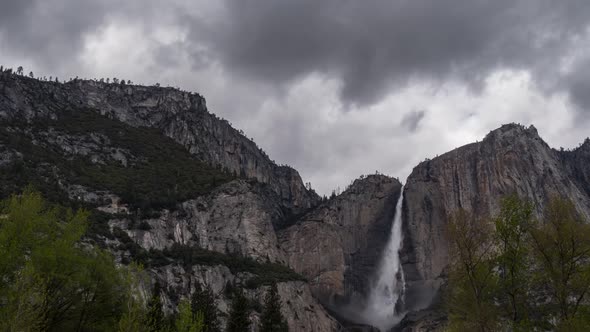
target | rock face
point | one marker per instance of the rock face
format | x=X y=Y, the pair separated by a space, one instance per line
x=267 y=215
x=264 y=214
x=233 y=224
x=576 y=162
x=180 y=115
x=511 y=159
x=235 y=219
x=300 y=309
x=337 y=246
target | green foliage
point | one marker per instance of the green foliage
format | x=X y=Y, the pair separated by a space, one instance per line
x=155 y=319
x=239 y=313
x=203 y=303
x=163 y=174
x=188 y=320
x=514 y=259
x=135 y=313
x=272 y=319
x=48 y=279
x=265 y=273
x=523 y=275
x=562 y=256
x=138 y=254
x=168 y=173
x=471 y=280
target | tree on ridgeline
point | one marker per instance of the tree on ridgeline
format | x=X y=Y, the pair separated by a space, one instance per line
x=19 y=70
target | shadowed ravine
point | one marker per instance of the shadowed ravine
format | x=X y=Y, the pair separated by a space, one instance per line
x=384 y=307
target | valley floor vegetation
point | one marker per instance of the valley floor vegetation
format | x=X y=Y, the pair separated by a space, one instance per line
x=516 y=273
x=53 y=280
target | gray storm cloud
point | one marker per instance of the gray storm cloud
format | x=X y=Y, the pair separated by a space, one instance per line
x=330 y=86
x=373 y=46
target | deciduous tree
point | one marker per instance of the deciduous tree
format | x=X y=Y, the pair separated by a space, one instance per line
x=472 y=281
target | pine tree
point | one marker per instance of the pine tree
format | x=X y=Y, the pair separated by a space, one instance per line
x=155 y=320
x=239 y=320
x=203 y=301
x=272 y=319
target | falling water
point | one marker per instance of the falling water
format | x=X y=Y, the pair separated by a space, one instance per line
x=382 y=308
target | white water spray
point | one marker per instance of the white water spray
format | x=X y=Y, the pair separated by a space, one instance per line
x=386 y=296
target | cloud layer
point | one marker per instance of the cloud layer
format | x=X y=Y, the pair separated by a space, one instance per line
x=336 y=88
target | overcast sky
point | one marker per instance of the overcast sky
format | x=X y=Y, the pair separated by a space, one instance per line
x=334 y=88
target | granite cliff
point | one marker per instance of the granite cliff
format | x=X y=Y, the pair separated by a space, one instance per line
x=178 y=189
x=165 y=177
x=180 y=115
x=338 y=244
x=170 y=185
x=511 y=159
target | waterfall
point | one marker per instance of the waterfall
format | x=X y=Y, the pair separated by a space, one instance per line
x=385 y=301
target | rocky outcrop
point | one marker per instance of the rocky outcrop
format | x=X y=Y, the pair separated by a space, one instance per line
x=576 y=162
x=235 y=219
x=511 y=159
x=183 y=116
x=337 y=246
x=301 y=310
